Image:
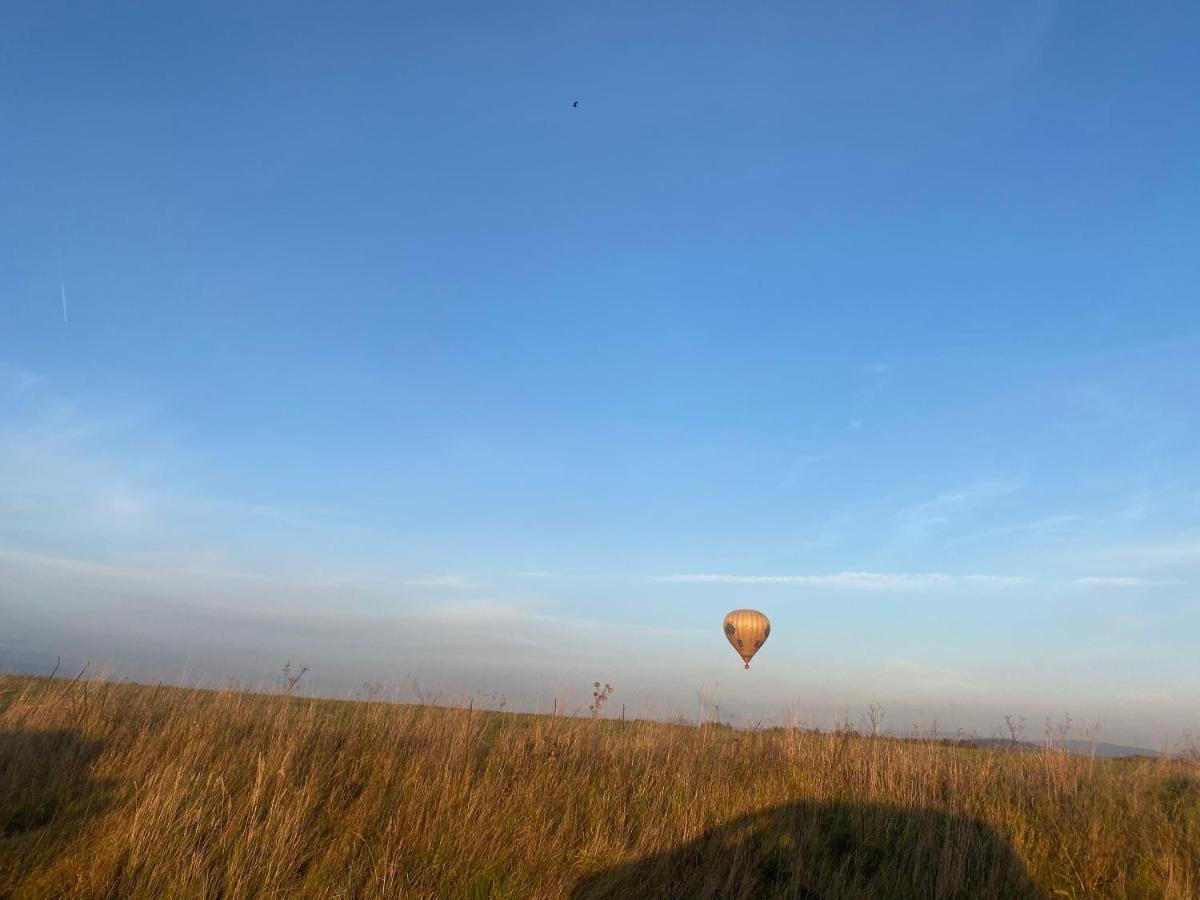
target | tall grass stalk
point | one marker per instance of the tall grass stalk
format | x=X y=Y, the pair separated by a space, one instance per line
x=120 y=790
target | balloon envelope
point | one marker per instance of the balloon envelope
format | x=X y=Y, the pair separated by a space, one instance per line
x=747 y=630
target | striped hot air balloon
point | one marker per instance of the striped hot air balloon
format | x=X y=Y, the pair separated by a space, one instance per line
x=747 y=630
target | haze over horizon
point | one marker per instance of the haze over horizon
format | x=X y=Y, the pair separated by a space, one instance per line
x=384 y=358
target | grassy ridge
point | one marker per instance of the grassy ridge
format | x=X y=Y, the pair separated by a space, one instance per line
x=133 y=791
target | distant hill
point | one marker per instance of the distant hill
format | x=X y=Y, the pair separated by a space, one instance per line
x=1079 y=748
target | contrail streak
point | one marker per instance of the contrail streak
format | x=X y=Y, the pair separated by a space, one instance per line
x=62 y=287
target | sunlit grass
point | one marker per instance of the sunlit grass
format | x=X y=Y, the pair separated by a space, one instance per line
x=113 y=790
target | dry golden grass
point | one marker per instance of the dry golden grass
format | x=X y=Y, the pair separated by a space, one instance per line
x=130 y=791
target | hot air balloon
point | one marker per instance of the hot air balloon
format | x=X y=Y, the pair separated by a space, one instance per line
x=747 y=630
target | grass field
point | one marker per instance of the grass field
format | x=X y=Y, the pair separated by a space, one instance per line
x=120 y=790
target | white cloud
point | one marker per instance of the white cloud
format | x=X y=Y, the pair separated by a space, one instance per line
x=862 y=581
x=996 y=580
x=909 y=581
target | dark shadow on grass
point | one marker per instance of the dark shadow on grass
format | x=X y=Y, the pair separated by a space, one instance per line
x=46 y=794
x=827 y=850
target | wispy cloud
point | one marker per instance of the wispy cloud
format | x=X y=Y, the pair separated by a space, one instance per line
x=857 y=581
x=1166 y=553
x=1107 y=581
x=92 y=477
x=484 y=611
x=922 y=520
x=202 y=569
x=1154 y=698
x=912 y=581
x=51 y=562
x=877 y=377
x=996 y=580
x=299 y=519
x=211 y=584
x=440 y=581
x=22 y=380
x=922 y=677
x=1037 y=528
x=797 y=468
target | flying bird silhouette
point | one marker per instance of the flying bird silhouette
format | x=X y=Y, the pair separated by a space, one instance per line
x=576 y=103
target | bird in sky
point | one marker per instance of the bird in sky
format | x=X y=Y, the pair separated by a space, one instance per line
x=576 y=103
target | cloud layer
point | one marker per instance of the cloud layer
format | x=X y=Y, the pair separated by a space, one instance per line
x=856 y=581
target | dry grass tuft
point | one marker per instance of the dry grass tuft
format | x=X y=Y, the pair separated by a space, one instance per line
x=129 y=791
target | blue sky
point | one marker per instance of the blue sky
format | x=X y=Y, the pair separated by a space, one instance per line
x=380 y=353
